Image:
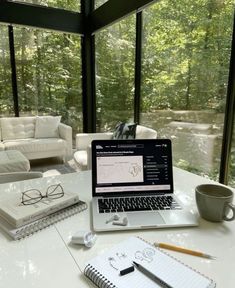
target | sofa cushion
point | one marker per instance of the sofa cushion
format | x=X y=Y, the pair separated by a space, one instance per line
x=47 y=126
x=125 y=131
x=83 y=140
x=35 y=145
x=17 y=127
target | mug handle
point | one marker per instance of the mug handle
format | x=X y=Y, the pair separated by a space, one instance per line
x=232 y=207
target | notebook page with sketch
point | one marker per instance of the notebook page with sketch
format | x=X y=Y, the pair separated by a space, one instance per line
x=134 y=178
x=104 y=270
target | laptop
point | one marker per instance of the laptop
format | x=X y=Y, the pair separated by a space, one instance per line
x=132 y=186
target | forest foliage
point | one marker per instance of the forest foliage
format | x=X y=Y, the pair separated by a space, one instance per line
x=186 y=47
x=186 y=50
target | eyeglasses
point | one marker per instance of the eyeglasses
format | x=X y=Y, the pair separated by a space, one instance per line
x=33 y=196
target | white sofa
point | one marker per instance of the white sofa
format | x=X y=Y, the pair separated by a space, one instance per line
x=36 y=137
x=82 y=156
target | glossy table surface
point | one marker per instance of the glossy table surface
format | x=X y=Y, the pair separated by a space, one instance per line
x=48 y=259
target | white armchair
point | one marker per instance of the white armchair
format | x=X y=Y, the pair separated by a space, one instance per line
x=82 y=156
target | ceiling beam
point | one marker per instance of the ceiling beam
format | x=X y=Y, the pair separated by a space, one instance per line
x=113 y=10
x=41 y=17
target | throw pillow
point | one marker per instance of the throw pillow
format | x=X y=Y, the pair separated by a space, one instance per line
x=47 y=126
x=125 y=131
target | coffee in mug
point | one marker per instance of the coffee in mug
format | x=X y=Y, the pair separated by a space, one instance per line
x=214 y=202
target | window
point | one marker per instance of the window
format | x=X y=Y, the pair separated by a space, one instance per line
x=73 y=5
x=6 y=97
x=115 y=53
x=232 y=161
x=186 y=51
x=99 y=3
x=49 y=74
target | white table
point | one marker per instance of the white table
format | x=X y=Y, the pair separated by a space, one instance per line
x=48 y=259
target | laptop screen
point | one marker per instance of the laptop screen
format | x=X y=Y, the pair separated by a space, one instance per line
x=125 y=167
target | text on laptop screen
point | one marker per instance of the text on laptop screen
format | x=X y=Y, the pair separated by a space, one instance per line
x=132 y=166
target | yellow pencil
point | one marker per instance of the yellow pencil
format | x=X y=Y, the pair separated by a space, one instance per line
x=183 y=250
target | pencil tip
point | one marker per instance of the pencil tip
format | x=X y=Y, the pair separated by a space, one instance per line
x=210 y=257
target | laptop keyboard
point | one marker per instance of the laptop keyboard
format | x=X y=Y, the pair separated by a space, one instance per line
x=133 y=204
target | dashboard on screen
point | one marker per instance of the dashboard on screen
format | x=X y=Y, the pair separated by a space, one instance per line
x=131 y=166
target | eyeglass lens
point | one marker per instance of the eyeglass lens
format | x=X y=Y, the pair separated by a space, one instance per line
x=33 y=196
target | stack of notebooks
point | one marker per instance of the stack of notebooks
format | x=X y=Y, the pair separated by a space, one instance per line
x=20 y=220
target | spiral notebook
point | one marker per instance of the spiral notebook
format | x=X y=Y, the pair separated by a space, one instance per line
x=33 y=227
x=104 y=270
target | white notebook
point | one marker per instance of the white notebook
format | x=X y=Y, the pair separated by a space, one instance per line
x=104 y=270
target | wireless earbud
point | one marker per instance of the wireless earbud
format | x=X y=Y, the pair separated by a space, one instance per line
x=114 y=217
x=124 y=222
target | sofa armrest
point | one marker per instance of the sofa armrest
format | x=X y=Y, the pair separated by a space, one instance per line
x=83 y=140
x=65 y=133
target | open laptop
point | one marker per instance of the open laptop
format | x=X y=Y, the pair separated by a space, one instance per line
x=133 y=179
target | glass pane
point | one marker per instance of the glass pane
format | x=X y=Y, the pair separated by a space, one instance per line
x=73 y=5
x=6 y=97
x=49 y=74
x=186 y=51
x=232 y=160
x=115 y=52
x=98 y=3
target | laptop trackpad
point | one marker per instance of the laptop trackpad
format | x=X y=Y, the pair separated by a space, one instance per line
x=145 y=219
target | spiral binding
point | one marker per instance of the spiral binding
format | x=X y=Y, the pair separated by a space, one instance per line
x=40 y=224
x=97 y=278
